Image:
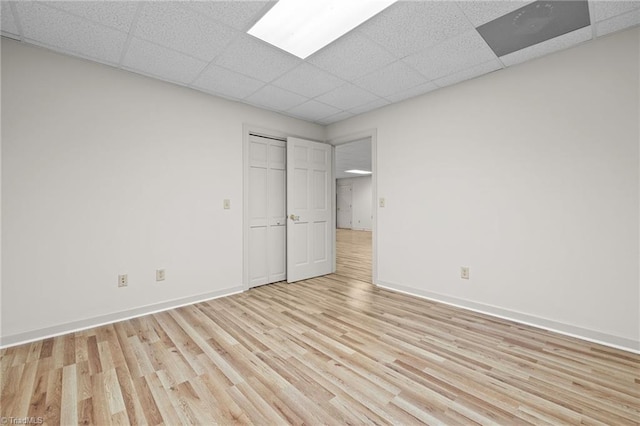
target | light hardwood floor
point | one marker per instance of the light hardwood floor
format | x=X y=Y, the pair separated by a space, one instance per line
x=353 y=254
x=331 y=350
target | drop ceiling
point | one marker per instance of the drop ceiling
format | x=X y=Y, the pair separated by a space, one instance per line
x=409 y=49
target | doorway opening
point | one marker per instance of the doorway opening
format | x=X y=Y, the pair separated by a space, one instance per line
x=354 y=209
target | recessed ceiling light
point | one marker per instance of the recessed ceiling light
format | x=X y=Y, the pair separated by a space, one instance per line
x=304 y=27
x=358 y=172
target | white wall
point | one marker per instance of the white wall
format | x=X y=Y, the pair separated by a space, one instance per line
x=529 y=176
x=107 y=172
x=361 y=201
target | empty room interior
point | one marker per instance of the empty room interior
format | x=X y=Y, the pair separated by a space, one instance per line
x=320 y=212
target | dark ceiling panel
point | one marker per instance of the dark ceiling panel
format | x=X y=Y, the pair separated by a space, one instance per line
x=534 y=23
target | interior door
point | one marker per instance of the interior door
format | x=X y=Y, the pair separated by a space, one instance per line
x=267 y=210
x=343 y=207
x=309 y=209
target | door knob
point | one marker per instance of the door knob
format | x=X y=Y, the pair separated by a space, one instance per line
x=294 y=217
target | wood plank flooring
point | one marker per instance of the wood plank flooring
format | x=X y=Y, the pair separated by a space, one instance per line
x=331 y=350
x=353 y=254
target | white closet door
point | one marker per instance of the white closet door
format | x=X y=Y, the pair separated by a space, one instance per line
x=267 y=201
x=309 y=231
x=277 y=237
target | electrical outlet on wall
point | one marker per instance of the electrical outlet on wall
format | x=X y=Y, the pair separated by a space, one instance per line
x=160 y=274
x=464 y=272
x=123 y=280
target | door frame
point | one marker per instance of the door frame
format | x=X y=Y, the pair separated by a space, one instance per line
x=340 y=140
x=248 y=128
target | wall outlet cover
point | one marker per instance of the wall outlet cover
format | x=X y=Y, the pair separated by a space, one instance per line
x=123 y=280
x=160 y=274
x=464 y=272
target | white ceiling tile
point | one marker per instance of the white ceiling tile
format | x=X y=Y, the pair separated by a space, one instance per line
x=116 y=14
x=351 y=56
x=161 y=62
x=480 y=12
x=601 y=10
x=410 y=26
x=469 y=73
x=173 y=25
x=240 y=15
x=313 y=110
x=618 y=23
x=413 y=92
x=61 y=30
x=308 y=80
x=203 y=45
x=391 y=79
x=549 y=46
x=378 y=103
x=8 y=23
x=272 y=97
x=347 y=97
x=227 y=83
x=335 y=118
x=451 y=56
x=257 y=59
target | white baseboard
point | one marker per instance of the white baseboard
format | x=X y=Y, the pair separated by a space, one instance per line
x=71 y=327
x=606 y=339
x=534 y=321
